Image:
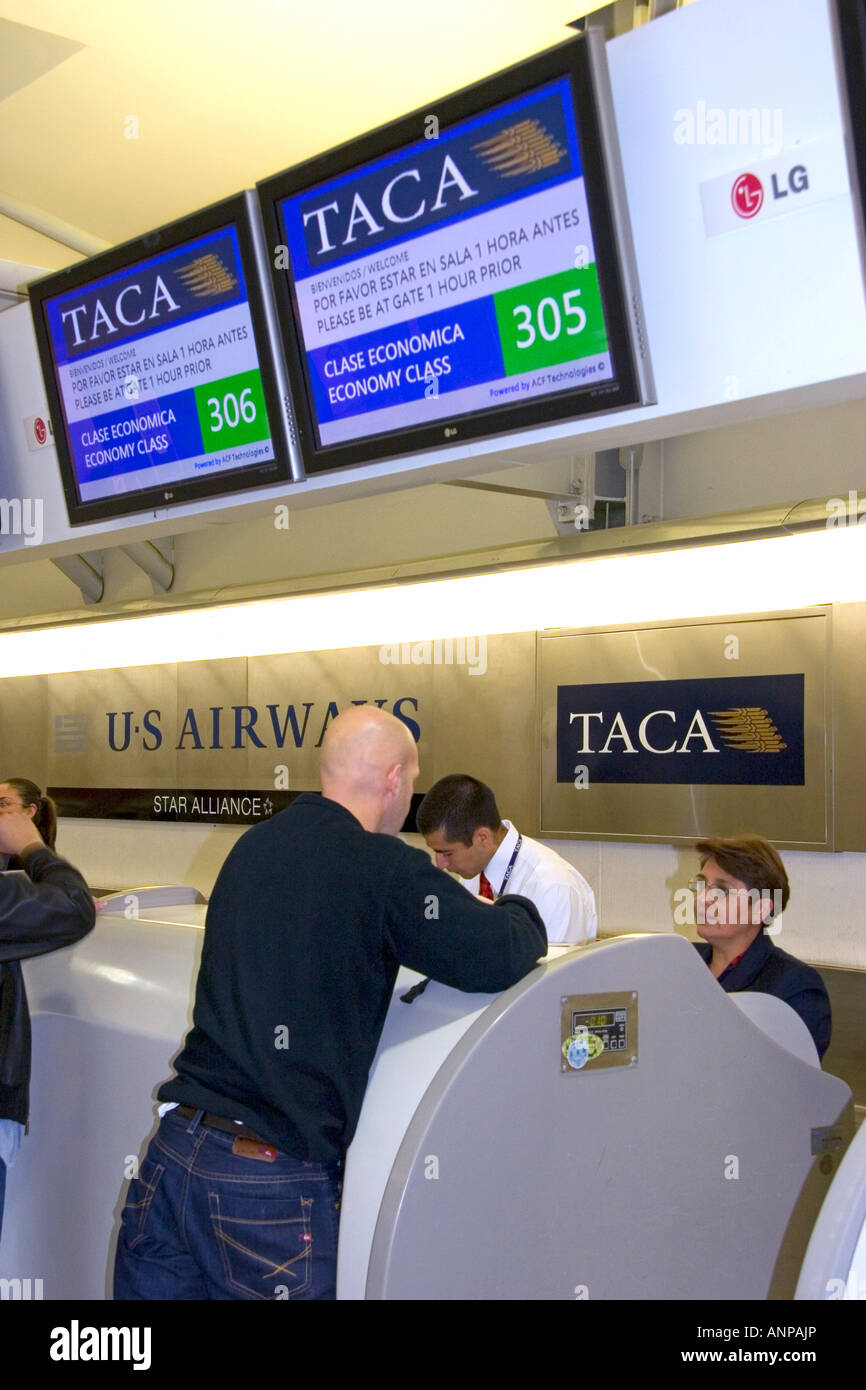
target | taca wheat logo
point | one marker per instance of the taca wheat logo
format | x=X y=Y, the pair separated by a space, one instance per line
x=523 y=148
x=206 y=276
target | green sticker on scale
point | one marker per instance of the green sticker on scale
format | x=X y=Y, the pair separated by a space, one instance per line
x=582 y=1047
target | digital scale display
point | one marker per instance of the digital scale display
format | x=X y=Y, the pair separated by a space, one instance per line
x=611 y=1027
x=598 y=1031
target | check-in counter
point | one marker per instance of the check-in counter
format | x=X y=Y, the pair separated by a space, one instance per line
x=108 y=1016
x=680 y=1147
x=835 y=1263
x=613 y=1126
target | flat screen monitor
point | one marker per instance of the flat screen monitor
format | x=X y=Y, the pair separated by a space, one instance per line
x=851 y=19
x=462 y=272
x=165 y=381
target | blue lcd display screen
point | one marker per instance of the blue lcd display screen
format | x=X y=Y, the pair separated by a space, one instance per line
x=158 y=376
x=445 y=285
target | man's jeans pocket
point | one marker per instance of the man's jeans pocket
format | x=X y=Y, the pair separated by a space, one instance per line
x=265 y=1242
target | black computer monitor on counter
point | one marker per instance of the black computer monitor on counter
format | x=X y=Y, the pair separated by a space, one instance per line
x=464 y=271
x=164 y=378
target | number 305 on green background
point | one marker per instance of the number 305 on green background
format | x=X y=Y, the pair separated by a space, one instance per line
x=550 y=321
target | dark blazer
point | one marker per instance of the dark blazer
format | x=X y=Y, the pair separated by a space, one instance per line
x=768 y=970
x=50 y=908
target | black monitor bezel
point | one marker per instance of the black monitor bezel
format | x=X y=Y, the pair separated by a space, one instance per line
x=572 y=59
x=851 y=19
x=233 y=211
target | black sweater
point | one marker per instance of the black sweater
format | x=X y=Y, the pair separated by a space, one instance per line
x=51 y=908
x=766 y=968
x=308 y=922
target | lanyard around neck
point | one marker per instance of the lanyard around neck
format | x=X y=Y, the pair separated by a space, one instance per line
x=510 y=865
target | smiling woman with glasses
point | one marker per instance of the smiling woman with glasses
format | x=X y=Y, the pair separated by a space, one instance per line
x=740 y=891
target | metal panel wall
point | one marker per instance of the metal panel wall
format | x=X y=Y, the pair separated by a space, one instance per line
x=673 y=730
x=256 y=724
x=789 y=684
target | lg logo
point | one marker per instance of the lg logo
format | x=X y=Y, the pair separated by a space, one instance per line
x=747 y=194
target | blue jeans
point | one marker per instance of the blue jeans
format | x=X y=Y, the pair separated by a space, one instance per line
x=203 y=1222
x=10 y=1142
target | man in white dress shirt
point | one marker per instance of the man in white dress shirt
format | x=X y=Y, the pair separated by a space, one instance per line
x=460 y=821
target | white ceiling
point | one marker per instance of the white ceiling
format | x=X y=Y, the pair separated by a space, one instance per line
x=118 y=118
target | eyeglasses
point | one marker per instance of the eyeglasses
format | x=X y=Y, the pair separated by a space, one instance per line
x=7 y=805
x=700 y=885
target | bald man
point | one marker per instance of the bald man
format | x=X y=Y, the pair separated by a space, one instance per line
x=310 y=918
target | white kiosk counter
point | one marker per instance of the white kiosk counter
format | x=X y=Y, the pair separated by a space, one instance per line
x=835 y=1263
x=613 y=1126
x=107 y=1017
x=684 y=1155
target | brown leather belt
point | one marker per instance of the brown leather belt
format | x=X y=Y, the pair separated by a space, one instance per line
x=220 y=1122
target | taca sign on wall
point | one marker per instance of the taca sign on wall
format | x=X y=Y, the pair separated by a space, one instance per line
x=678 y=730
x=666 y=732
x=724 y=731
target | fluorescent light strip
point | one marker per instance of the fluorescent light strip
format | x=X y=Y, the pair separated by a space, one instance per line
x=745 y=577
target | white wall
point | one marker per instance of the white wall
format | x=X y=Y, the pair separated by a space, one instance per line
x=634 y=884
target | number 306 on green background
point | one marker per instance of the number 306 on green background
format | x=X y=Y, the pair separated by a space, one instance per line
x=232 y=411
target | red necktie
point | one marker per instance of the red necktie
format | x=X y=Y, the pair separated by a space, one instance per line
x=484 y=888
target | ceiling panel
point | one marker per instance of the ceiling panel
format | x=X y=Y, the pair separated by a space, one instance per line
x=118 y=118
x=26 y=53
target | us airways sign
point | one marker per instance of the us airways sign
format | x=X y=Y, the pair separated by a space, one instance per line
x=743 y=729
x=218 y=727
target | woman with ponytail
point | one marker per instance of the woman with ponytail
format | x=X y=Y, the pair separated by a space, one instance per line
x=19 y=794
